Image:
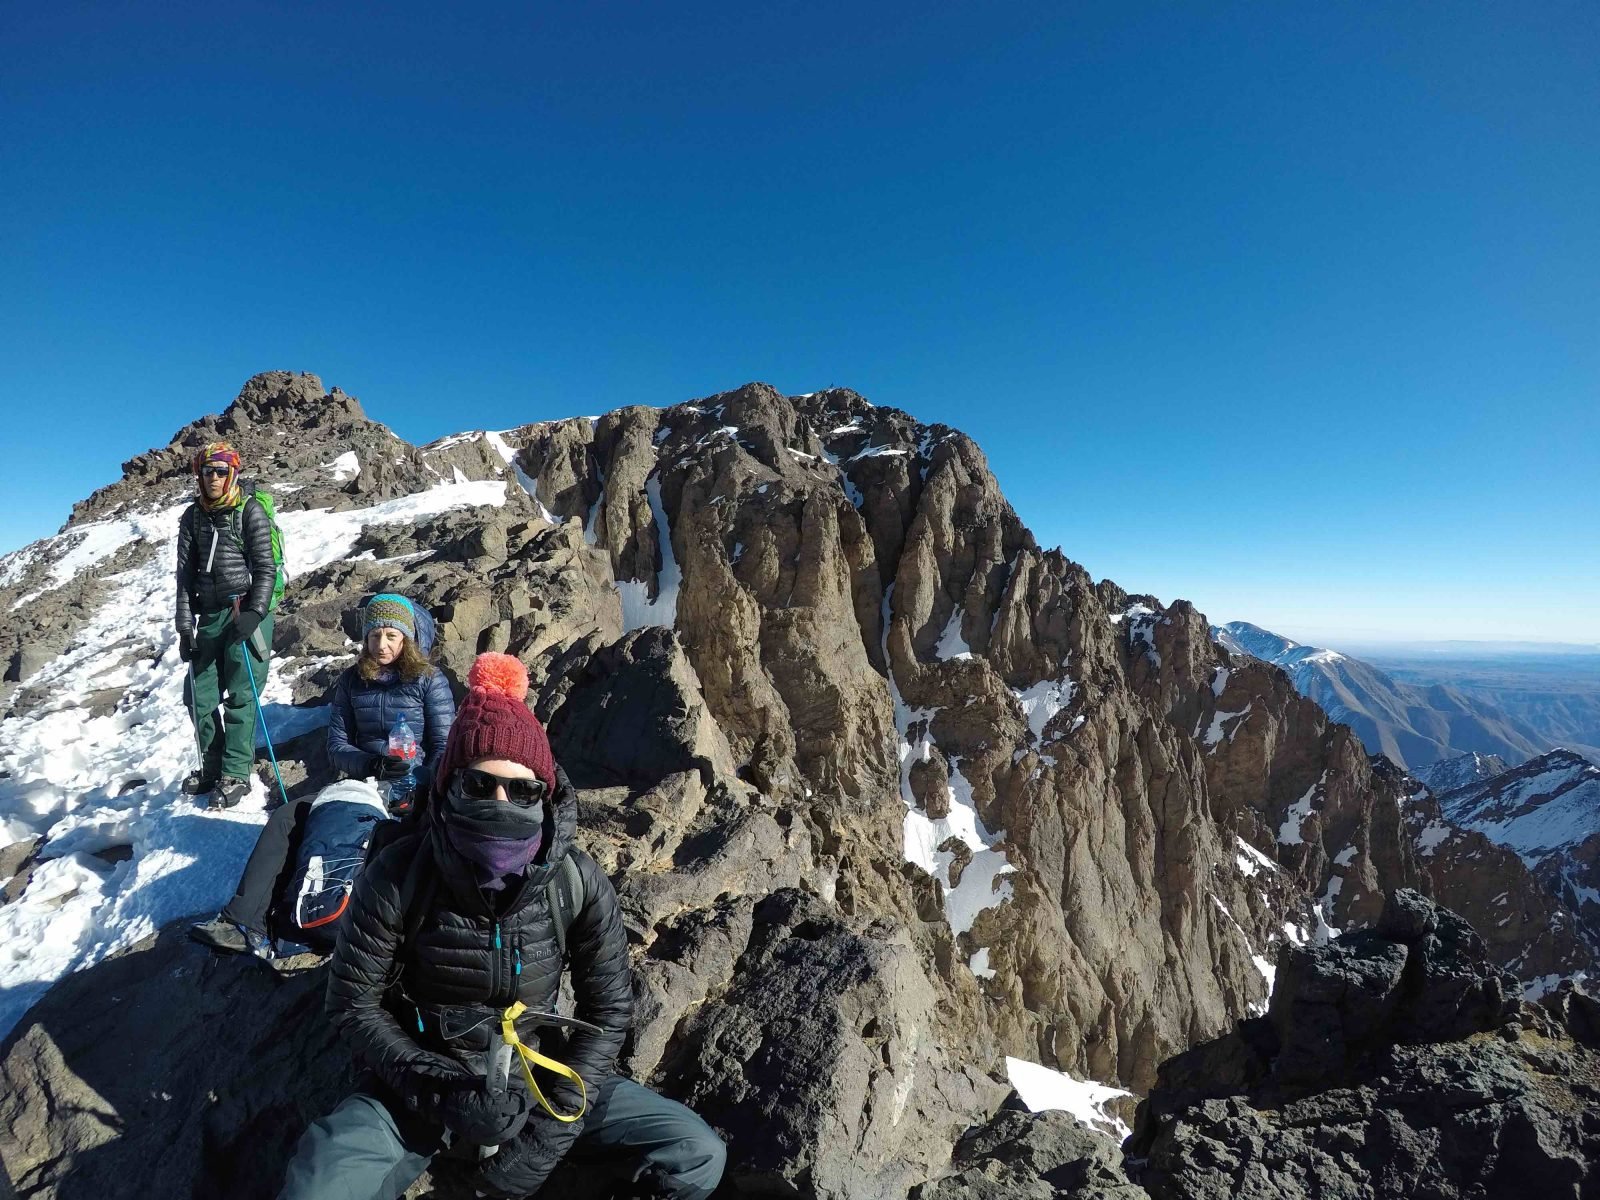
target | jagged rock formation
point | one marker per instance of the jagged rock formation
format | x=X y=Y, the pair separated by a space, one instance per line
x=1528 y=930
x=1547 y=812
x=887 y=790
x=1395 y=1062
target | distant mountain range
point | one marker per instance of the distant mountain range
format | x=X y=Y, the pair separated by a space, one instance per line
x=1547 y=811
x=1414 y=724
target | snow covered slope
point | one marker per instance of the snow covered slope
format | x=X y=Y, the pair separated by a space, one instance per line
x=1548 y=812
x=89 y=777
x=1450 y=773
x=1413 y=725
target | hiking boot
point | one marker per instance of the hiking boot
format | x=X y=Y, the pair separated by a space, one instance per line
x=232 y=938
x=220 y=934
x=260 y=945
x=197 y=783
x=229 y=792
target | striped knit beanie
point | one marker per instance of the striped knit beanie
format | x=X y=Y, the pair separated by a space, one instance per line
x=389 y=611
x=494 y=722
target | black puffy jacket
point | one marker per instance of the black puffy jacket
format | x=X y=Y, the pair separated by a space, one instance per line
x=363 y=712
x=461 y=968
x=240 y=564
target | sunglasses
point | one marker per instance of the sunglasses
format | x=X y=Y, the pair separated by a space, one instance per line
x=481 y=785
x=216 y=472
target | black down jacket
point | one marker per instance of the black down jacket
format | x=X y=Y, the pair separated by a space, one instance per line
x=363 y=712
x=207 y=579
x=460 y=969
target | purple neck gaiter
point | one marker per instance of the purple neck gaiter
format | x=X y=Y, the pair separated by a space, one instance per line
x=495 y=860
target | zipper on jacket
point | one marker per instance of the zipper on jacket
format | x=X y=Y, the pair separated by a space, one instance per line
x=494 y=965
x=211 y=557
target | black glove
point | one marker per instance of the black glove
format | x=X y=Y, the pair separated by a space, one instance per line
x=387 y=766
x=245 y=622
x=476 y=1117
x=522 y=1166
x=186 y=646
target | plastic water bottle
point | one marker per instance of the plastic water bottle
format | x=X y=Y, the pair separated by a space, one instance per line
x=403 y=744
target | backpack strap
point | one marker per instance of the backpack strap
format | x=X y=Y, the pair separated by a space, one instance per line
x=564 y=890
x=247 y=489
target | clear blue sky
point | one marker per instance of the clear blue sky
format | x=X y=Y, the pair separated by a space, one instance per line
x=1292 y=310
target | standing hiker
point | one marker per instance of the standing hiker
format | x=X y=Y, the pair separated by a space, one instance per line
x=390 y=680
x=227 y=576
x=446 y=975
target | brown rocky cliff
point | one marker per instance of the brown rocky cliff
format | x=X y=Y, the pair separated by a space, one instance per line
x=824 y=551
x=888 y=791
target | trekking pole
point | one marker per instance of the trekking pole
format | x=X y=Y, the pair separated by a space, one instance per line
x=244 y=653
x=194 y=720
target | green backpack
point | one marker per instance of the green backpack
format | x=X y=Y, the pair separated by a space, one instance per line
x=270 y=507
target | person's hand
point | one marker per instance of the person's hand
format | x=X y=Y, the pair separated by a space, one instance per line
x=387 y=767
x=481 y=1119
x=186 y=646
x=426 y=1091
x=245 y=622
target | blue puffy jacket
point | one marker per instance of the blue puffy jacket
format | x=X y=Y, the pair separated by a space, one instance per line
x=364 y=711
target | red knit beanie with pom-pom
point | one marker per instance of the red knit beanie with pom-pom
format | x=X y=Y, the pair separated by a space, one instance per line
x=494 y=722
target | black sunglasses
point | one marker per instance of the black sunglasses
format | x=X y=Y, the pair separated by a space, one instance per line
x=481 y=785
x=216 y=472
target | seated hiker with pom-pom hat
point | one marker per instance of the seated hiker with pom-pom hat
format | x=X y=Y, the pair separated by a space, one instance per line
x=448 y=967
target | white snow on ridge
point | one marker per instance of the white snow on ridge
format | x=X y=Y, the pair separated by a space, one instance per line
x=951 y=644
x=317 y=536
x=638 y=610
x=981 y=885
x=346 y=466
x=88 y=545
x=1214 y=734
x=1535 y=815
x=1252 y=861
x=1042 y=701
x=1042 y=1089
x=1133 y=610
x=879 y=452
x=528 y=482
x=88 y=783
x=1289 y=831
x=1269 y=972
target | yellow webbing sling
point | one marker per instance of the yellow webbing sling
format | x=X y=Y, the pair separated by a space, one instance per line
x=508 y=1030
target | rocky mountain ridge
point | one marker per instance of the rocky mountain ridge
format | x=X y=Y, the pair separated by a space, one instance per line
x=888 y=791
x=1450 y=773
x=1547 y=811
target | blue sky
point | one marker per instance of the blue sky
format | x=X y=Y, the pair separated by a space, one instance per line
x=1289 y=310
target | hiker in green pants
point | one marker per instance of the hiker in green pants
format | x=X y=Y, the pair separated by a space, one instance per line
x=228 y=585
x=228 y=739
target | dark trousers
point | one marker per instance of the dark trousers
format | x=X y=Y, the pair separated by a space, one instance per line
x=358 y=1152
x=263 y=874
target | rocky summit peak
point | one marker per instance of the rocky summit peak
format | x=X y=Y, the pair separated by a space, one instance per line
x=892 y=797
x=288 y=400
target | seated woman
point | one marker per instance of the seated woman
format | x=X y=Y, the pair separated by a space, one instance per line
x=391 y=679
x=453 y=952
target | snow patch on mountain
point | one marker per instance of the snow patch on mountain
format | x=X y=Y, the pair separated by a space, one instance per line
x=1041 y=1089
